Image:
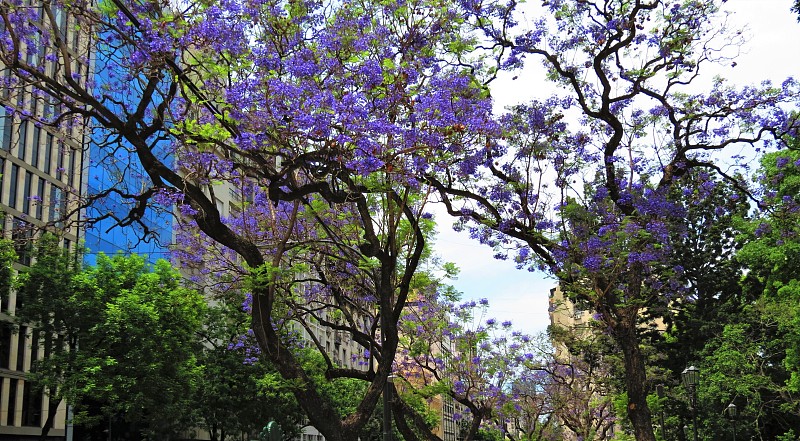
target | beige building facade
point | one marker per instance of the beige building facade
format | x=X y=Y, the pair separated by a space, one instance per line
x=41 y=170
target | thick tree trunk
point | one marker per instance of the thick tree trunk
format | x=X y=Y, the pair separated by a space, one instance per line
x=635 y=379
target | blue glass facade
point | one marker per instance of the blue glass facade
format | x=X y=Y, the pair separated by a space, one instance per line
x=112 y=164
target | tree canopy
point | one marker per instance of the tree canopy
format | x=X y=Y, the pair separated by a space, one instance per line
x=334 y=125
x=100 y=327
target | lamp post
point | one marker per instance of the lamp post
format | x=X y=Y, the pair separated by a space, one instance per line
x=691 y=378
x=731 y=413
x=660 y=393
x=387 y=411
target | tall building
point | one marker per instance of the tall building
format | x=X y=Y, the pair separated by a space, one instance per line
x=105 y=235
x=41 y=166
x=566 y=315
x=113 y=164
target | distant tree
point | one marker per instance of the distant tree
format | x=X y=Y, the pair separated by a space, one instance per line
x=450 y=348
x=581 y=397
x=506 y=382
x=118 y=334
x=581 y=182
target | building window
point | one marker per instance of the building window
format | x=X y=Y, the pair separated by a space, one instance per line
x=35 y=336
x=5 y=345
x=5 y=92
x=71 y=176
x=26 y=193
x=48 y=153
x=31 y=405
x=37 y=137
x=62 y=150
x=22 y=142
x=61 y=20
x=39 y=199
x=12 y=401
x=55 y=202
x=12 y=186
x=6 y=122
x=47 y=109
x=21 y=346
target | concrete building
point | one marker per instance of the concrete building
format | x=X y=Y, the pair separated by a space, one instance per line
x=567 y=316
x=41 y=170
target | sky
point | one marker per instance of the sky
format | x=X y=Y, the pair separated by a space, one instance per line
x=772 y=52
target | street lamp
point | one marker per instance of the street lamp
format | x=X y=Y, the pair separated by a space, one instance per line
x=387 y=411
x=731 y=413
x=660 y=393
x=691 y=378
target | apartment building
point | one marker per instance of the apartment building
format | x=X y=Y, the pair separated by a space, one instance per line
x=568 y=316
x=41 y=172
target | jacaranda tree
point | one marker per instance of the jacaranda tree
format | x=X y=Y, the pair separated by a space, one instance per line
x=321 y=117
x=330 y=120
x=579 y=183
x=504 y=380
x=451 y=349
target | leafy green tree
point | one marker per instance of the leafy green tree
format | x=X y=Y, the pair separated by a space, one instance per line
x=705 y=258
x=44 y=300
x=119 y=334
x=236 y=395
x=744 y=366
x=769 y=330
x=739 y=330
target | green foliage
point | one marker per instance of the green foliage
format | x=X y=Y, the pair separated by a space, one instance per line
x=489 y=435
x=235 y=396
x=120 y=334
x=741 y=326
x=344 y=393
x=755 y=363
x=7 y=258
